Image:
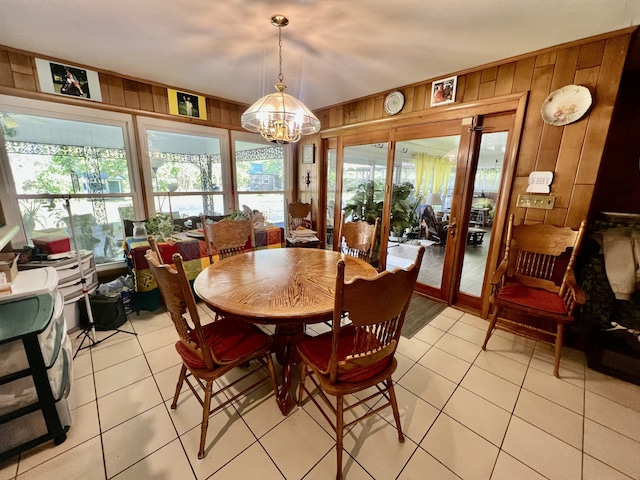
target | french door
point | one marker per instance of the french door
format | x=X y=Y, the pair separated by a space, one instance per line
x=455 y=169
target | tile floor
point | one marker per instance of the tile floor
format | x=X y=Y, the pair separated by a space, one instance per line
x=467 y=414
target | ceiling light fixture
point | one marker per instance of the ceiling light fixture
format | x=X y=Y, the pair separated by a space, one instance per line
x=279 y=117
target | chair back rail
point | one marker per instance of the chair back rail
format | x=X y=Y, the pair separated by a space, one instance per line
x=228 y=237
x=360 y=238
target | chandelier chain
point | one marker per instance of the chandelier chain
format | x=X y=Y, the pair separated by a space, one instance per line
x=280 y=76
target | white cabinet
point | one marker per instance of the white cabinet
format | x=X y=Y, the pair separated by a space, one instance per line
x=70 y=281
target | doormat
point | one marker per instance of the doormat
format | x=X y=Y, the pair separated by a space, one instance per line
x=421 y=311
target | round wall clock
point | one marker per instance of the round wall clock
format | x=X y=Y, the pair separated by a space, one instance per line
x=394 y=102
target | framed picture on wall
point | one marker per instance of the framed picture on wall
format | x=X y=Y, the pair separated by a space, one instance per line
x=443 y=91
x=308 y=154
x=68 y=80
x=187 y=104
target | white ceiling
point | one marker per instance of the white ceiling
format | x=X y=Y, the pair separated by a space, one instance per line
x=333 y=50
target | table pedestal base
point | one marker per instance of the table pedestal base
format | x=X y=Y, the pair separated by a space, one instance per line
x=285 y=340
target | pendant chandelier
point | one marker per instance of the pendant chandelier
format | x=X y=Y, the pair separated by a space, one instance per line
x=279 y=117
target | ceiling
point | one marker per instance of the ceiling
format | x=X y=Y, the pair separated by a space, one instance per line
x=333 y=50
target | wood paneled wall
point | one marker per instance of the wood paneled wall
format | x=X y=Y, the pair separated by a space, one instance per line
x=573 y=152
x=18 y=77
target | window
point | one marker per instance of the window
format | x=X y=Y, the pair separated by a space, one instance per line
x=260 y=173
x=56 y=152
x=187 y=168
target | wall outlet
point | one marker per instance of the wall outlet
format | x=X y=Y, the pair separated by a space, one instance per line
x=545 y=202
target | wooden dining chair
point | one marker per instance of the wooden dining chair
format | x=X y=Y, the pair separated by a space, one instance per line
x=228 y=237
x=360 y=239
x=356 y=356
x=210 y=351
x=535 y=284
x=299 y=215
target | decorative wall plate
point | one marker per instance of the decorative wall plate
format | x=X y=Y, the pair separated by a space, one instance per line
x=394 y=102
x=566 y=105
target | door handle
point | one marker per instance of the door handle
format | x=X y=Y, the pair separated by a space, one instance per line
x=452 y=227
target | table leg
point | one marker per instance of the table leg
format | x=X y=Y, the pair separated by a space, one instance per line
x=285 y=340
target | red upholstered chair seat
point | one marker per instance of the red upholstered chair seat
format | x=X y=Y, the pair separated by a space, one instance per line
x=228 y=339
x=533 y=297
x=317 y=350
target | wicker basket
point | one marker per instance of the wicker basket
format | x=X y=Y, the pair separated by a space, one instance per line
x=24 y=254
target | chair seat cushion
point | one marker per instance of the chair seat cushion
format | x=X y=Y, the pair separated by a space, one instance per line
x=229 y=340
x=317 y=350
x=533 y=298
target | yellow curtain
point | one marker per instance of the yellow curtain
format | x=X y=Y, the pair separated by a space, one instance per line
x=432 y=173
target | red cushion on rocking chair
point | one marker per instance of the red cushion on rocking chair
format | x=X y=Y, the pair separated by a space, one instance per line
x=533 y=297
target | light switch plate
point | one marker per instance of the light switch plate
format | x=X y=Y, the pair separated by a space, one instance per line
x=545 y=202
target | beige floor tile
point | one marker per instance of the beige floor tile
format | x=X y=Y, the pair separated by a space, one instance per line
x=445 y=364
x=84 y=462
x=82 y=392
x=293 y=452
x=188 y=412
x=542 y=452
x=116 y=353
x=443 y=322
x=459 y=347
x=374 y=443
x=513 y=348
x=468 y=333
x=462 y=451
x=475 y=321
x=163 y=358
x=554 y=389
x=167 y=463
x=612 y=448
x=501 y=366
x=428 y=385
x=612 y=415
x=326 y=468
x=429 y=334
x=82 y=366
x=9 y=468
x=108 y=338
x=424 y=467
x=84 y=427
x=508 y=468
x=572 y=363
x=404 y=365
x=593 y=469
x=158 y=338
x=120 y=375
x=614 y=389
x=142 y=435
x=491 y=387
x=167 y=381
x=550 y=417
x=149 y=321
x=227 y=436
x=261 y=412
x=412 y=348
x=481 y=416
x=127 y=402
x=251 y=463
x=416 y=415
x=452 y=313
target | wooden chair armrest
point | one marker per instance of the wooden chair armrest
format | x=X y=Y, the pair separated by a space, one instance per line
x=499 y=273
x=578 y=294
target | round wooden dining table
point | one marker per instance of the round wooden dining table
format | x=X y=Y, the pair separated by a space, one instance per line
x=285 y=287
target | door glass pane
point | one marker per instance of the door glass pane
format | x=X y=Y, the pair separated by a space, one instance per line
x=331 y=196
x=260 y=179
x=423 y=180
x=186 y=173
x=485 y=195
x=52 y=156
x=363 y=177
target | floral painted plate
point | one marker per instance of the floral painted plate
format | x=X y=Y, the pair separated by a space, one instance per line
x=566 y=105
